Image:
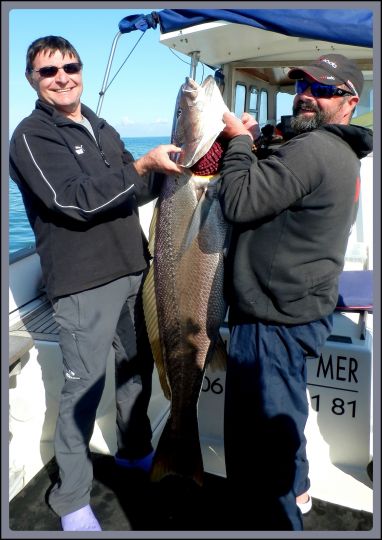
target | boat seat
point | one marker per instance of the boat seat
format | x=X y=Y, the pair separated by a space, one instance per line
x=38 y=324
x=18 y=346
x=355 y=291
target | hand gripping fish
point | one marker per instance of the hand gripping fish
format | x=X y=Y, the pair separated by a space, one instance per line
x=183 y=293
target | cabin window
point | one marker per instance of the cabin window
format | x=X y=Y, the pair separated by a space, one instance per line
x=253 y=101
x=258 y=105
x=363 y=114
x=284 y=104
x=240 y=95
x=263 y=109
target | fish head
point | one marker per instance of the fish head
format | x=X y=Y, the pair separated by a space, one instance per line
x=198 y=119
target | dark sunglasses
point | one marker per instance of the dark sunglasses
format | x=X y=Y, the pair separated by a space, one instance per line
x=51 y=71
x=319 y=90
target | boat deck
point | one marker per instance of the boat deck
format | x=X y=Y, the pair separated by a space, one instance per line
x=125 y=501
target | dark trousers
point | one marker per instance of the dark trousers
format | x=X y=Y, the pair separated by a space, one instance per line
x=266 y=410
x=91 y=322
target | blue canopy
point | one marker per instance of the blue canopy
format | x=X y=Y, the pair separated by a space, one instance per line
x=347 y=26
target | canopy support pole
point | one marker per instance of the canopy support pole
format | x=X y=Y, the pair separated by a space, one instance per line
x=107 y=72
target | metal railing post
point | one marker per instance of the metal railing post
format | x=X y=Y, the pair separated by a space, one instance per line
x=107 y=72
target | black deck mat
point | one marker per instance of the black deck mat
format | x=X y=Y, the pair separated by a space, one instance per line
x=126 y=501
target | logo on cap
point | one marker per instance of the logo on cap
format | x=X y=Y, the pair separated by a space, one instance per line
x=333 y=64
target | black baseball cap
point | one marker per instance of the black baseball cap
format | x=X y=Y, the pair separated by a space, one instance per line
x=332 y=69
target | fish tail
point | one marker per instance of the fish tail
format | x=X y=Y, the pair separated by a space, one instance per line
x=178 y=456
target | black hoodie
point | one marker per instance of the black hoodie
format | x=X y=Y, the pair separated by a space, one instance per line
x=292 y=214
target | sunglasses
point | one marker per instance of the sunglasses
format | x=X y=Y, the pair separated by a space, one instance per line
x=319 y=90
x=51 y=71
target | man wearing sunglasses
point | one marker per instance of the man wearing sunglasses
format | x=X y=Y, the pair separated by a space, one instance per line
x=292 y=213
x=81 y=189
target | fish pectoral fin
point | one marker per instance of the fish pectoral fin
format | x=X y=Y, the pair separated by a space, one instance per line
x=152 y=325
x=218 y=359
x=199 y=217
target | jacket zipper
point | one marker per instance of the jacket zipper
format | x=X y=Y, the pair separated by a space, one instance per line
x=100 y=149
x=98 y=143
x=104 y=158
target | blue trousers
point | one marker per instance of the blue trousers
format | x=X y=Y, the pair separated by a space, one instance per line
x=266 y=409
x=91 y=323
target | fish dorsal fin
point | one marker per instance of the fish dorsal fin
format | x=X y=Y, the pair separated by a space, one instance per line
x=152 y=325
x=152 y=228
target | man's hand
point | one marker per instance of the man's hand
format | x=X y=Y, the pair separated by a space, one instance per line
x=251 y=125
x=158 y=160
x=234 y=126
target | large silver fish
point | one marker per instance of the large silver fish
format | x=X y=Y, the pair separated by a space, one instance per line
x=183 y=293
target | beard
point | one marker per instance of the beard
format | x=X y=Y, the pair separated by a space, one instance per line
x=300 y=124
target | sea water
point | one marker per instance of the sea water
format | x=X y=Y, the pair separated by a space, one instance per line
x=20 y=232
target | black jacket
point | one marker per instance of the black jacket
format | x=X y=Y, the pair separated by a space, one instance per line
x=293 y=213
x=81 y=198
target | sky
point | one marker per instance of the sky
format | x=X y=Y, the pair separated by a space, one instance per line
x=140 y=101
